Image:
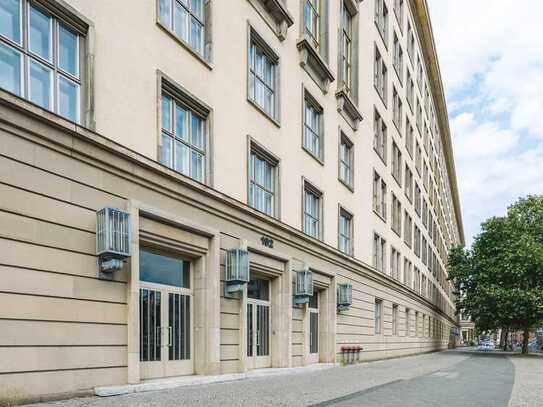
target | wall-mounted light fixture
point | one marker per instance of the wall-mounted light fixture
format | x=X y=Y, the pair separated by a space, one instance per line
x=237 y=271
x=303 y=289
x=344 y=296
x=112 y=240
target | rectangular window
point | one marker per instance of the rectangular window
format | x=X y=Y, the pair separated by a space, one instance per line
x=407 y=278
x=425 y=176
x=378 y=312
x=313 y=128
x=417 y=280
x=407 y=229
x=399 y=12
x=397 y=110
x=398 y=58
x=410 y=41
x=379 y=195
x=262 y=181
x=263 y=67
x=407 y=322
x=346 y=52
x=380 y=76
x=394 y=319
x=416 y=246
x=419 y=73
x=183 y=140
x=312 y=21
x=186 y=20
x=379 y=136
x=345 y=235
x=346 y=161
x=418 y=199
x=409 y=137
x=379 y=253
x=424 y=251
x=395 y=263
x=418 y=117
x=381 y=19
x=396 y=215
x=410 y=85
x=418 y=159
x=49 y=48
x=396 y=163
x=408 y=183
x=312 y=203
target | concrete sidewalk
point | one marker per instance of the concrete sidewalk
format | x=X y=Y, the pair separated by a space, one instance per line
x=442 y=378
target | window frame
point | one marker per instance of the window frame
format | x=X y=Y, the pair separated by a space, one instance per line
x=342 y=212
x=309 y=187
x=380 y=76
x=254 y=147
x=379 y=196
x=178 y=94
x=344 y=140
x=380 y=134
x=308 y=99
x=72 y=22
x=381 y=20
x=205 y=57
x=378 y=317
x=395 y=308
x=254 y=39
x=379 y=253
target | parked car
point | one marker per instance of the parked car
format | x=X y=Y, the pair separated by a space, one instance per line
x=486 y=346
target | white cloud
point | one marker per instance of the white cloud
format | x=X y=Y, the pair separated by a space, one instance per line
x=491 y=60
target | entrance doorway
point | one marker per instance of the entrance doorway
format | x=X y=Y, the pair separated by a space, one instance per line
x=313 y=314
x=258 y=324
x=166 y=347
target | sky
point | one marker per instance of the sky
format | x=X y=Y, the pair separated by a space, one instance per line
x=491 y=59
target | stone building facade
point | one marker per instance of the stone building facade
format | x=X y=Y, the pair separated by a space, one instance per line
x=313 y=134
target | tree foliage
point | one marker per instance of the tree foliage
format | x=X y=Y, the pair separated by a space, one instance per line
x=499 y=281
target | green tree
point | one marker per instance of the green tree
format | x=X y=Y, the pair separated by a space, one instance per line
x=499 y=282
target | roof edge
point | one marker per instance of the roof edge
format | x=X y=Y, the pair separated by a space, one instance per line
x=426 y=36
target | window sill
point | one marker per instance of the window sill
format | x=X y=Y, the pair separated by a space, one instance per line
x=314 y=65
x=275 y=14
x=352 y=6
x=348 y=109
x=381 y=97
x=312 y=155
x=380 y=216
x=380 y=156
x=187 y=46
x=397 y=182
x=398 y=75
x=313 y=237
x=266 y=115
x=346 y=185
x=381 y=34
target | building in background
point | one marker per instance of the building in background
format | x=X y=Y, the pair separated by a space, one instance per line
x=309 y=137
x=467 y=331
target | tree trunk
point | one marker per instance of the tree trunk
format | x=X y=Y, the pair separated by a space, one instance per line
x=525 y=339
x=502 y=339
x=505 y=340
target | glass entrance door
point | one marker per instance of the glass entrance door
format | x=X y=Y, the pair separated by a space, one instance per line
x=165 y=316
x=258 y=324
x=313 y=310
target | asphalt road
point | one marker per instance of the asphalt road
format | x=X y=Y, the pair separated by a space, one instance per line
x=446 y=379
x=483 y=380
